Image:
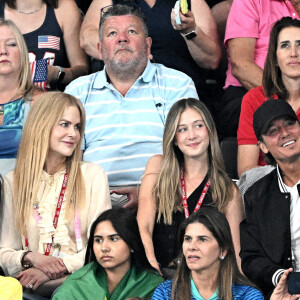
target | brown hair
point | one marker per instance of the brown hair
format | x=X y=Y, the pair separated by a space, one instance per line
x=228 y=274
x=272 y=79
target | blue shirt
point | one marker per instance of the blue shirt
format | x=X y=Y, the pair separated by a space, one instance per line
x=15 y=114
x=11 y=130
x=239 y=292
x=123 y=132
x=197 y=295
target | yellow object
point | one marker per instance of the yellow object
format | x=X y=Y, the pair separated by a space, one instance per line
x=184 y=6
x=10 y=289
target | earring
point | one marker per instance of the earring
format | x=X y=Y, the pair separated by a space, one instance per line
x=221 y=257
x=131 y=250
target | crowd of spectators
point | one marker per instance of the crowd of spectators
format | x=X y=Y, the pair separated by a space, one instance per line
x=112 y=178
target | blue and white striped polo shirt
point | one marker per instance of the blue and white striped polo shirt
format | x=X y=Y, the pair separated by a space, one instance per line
x=123 y=132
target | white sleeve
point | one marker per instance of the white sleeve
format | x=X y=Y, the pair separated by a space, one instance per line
x=10 y=239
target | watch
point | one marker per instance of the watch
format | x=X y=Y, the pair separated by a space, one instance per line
x=190 y=35
x=61 y=74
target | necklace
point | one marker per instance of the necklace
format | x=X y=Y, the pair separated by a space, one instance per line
x=29 y=12
x=2 y=105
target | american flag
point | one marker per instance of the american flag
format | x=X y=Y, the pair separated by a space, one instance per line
x=39 y=72
x=48 y=41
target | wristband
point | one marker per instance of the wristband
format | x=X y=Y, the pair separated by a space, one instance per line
x=25 y=266
x=60 y=75
x=190 y=35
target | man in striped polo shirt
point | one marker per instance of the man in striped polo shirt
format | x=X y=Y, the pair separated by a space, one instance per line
x=127 y=103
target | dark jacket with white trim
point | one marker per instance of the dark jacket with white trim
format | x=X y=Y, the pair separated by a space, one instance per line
x=265 y=233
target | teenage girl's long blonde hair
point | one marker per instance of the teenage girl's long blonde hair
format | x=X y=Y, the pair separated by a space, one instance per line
x=32 y=154
x=167 y=190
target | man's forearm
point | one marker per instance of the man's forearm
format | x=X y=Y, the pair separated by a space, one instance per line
x=89 y=39
x=248 y=74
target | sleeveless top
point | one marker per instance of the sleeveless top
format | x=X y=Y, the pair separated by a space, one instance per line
x=46 y=41
x=212 y=3
x=165 y=239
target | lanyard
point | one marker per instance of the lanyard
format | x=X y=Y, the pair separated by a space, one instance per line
x=56 y=217
x=184 y=198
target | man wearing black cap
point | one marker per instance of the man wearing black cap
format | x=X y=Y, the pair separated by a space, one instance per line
x=270 y=234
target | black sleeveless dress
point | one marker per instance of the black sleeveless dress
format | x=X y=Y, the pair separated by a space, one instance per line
x=165 y=238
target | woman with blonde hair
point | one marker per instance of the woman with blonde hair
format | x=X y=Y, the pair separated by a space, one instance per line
x=188 y=174
x=51 y=30
x=52 y=197
x=16 y=92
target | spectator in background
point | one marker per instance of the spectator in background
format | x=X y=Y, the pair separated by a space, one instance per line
x=51 y=29
x=52 y=198
x=190 y=173
x=192 y=47
x=281 y=78
x=247 y=38
x=220 y=10
x=17 y=92
x=116 y=266
x=127 y=103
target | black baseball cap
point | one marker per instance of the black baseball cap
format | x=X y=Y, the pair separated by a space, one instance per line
x=268 y=111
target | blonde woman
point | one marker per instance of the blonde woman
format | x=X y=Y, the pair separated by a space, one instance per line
x=52 y=198
x=51 y=30
x=16 y=92
x=189 y=174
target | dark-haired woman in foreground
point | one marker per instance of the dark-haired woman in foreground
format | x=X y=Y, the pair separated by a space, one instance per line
x=208 y=267
x=116 y=266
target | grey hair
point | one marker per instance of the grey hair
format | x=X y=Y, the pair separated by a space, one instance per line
x=122 y=10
